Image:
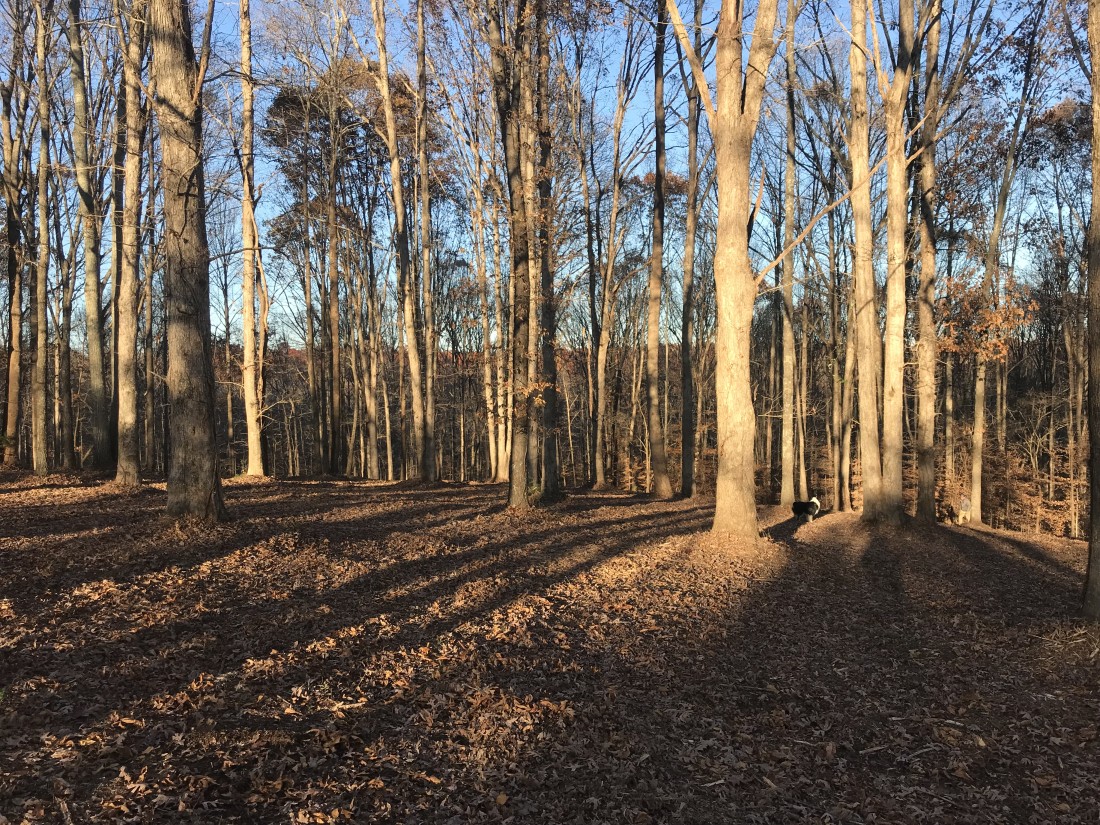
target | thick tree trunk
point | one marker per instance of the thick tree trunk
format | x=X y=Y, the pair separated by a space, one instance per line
x=868 y=335
x=506 y=88
x=897 y=256
x=738 y=112
x=194 y=488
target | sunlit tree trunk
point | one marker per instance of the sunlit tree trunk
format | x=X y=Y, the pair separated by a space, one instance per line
x=252 y=356
x=787 y=461
x=868 y=335
x=194 y=488
x=128 y=467
x=740 y=92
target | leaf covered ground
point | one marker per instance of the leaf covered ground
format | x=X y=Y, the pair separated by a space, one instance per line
x=355 y=652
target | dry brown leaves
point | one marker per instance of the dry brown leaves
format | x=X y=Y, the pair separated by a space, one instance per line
x=352 y=652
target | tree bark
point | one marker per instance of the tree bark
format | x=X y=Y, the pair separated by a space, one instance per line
x=252 y=357
x=128 y=466
x=738 y=112
x=660 y=485
x=926 y=287
x=1092 y=578
x=39 y=329
x=88 y=205
x=868 y=336
x=194 y=488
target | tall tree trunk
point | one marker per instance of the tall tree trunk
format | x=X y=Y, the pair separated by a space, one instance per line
x=1092 y=579
x=551 y=481
x=660 y=485
x=428 y=461
x=740 y=93
x=687 y=317
x=39 y=329
x=926 y=287
x=868 y=336
x=507 y=94
x=896 y=100
x=251 y=360
x=406 y=280
x=194 y=488
x=786 y=486
x=88 y=208
x=128 y=467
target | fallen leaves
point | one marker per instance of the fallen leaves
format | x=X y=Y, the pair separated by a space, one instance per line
x=347 y=652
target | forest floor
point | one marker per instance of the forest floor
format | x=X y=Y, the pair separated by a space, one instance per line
x=356 y=652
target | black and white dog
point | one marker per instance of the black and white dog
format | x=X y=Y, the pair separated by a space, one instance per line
x=806 y=509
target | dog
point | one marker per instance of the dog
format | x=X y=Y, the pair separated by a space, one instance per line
x=806 y=510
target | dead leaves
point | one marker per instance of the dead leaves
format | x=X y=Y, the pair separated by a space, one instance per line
x=357 y=653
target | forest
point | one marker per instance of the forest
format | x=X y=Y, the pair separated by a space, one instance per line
x=404 y=403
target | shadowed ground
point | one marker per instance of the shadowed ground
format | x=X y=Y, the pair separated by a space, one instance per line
x=378 y=653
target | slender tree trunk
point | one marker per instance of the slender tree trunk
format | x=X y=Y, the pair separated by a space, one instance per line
x=551 y=480
x=1092 y=578
x=88 y=208
x=251 y=360
x=406 y=281
x=428 y=461
x=194 y=488
x=661 y=487
x=926 y=287
x=786 y=486
x=39 y=329
x=687 y=317
x=128 y=467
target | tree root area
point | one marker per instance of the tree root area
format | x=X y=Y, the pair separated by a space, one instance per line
x=373 y=653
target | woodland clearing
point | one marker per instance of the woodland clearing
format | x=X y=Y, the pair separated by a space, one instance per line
x=365 y=652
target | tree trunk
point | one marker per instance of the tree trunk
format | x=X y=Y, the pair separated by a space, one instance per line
x=128 y=467
x=1092 y=579
x=738 y=113
x=428 y=461
x=194 y=488
x=39 y=329
x=926 y=287
x=251 y=360
x=506 y=88
x=868 y=336
x=896 y=100
x=414 y=453
x=660 y=485
x=691 y=224
x=88 y=214
x=787 y=448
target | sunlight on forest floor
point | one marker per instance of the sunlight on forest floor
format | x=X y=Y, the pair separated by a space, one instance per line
x=357 y=652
